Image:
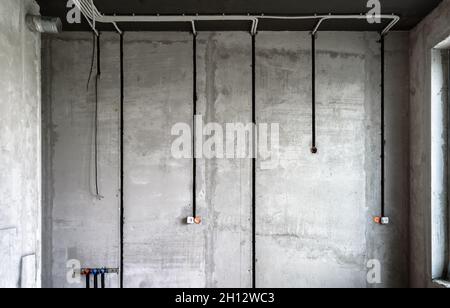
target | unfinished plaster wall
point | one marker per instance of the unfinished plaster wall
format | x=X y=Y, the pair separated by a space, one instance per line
x=314 y=213
x=158 y=89
x=20 y=146
x=78 y=225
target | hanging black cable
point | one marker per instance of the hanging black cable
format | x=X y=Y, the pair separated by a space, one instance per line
x=92 y=61
x=254 y=150
x=194 y=103
x=122 y=216
x=97 y=79
x=313 y=56
x=383 y=141
x=95 y=47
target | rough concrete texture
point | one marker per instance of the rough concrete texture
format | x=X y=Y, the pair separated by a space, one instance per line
x=314 y=213
x=80 y=226
x=396 y=264
x=20 y=122
x=160 y=251
x=424 y=103
x=225 y=184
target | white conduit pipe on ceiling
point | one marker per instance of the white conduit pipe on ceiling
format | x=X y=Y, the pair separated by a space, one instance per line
x=91 y=13
x=94 y=16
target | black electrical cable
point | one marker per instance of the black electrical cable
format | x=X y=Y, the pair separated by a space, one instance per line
x=383 y=141
x=92 y=61
x=254 y=161
x=99 y=72
x=97 y=190
x=122 y=216
x=194 y=158
x=313 y=56
x=95 y=47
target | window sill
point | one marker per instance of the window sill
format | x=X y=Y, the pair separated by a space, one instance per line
x=439 y=283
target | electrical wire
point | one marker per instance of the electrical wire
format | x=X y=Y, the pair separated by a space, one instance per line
x=313 y=91
x=97 y=79
x=383 y=141
x=91 y=71
x=254 y=154
x=122 y=208
x=95 y=48
x=194 y=157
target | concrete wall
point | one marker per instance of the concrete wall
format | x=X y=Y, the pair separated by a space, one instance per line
x=314 y=213
x=427 y=142
x=77 y=224
x=20 y=147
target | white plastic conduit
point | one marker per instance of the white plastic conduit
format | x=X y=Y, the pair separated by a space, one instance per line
x=94 y=16
x=91 y=13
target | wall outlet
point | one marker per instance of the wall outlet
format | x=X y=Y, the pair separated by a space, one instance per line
x=381 y=220
x=190 y=220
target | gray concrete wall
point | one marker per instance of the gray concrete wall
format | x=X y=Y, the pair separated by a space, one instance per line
x=314 y=213
x=77 y=224
x=160 y=250
x=20 y=147
x=427 y=108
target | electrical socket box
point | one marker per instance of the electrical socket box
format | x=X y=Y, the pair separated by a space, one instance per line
x=381 y=220
x=190 y=220
x=198 y=220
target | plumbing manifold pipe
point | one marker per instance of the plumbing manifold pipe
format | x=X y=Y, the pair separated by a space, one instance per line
x=95 y=273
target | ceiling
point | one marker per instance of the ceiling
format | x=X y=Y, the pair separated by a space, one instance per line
x=410 y=11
